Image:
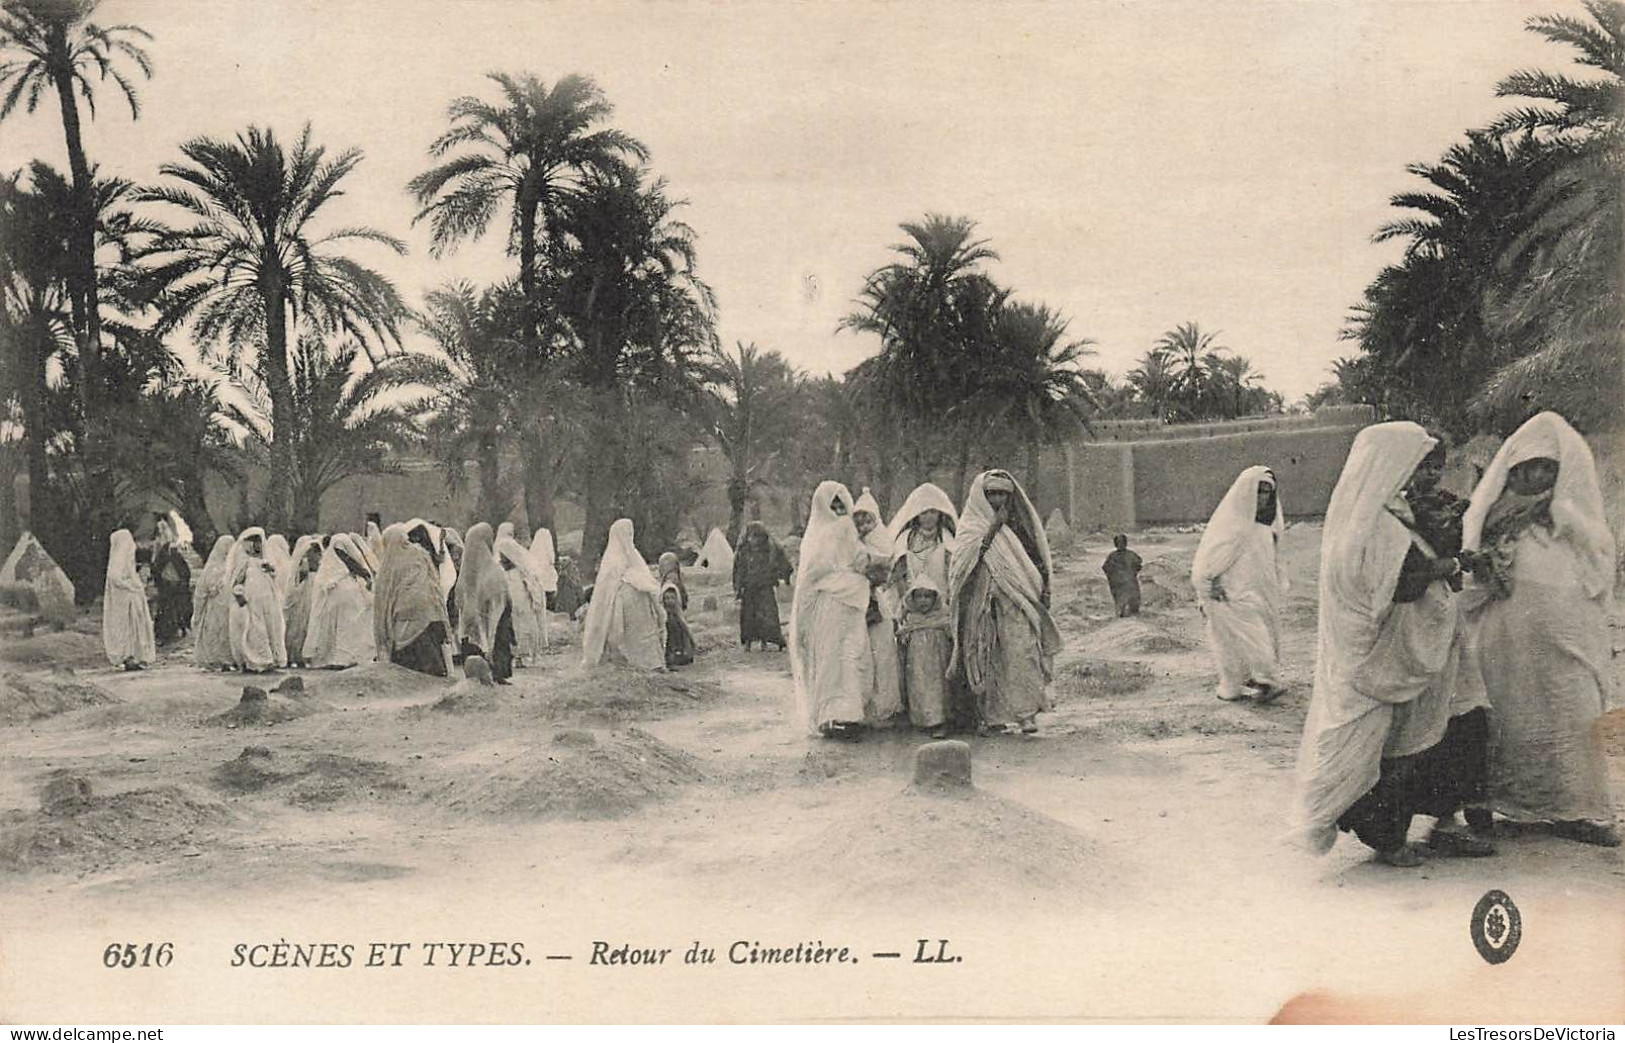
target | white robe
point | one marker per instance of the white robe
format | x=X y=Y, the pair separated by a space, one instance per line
x=830 y=656
x=1237 y=550
x=258 y=632
x=340 y=632
x=126 y=620
x=625 y=622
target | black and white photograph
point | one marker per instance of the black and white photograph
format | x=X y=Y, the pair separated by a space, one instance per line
x=547 y=512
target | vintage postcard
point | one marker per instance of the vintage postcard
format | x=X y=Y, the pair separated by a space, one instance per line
x=731 y=512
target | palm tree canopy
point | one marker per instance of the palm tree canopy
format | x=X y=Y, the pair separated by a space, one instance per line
x=40 y=37
x=252 y=205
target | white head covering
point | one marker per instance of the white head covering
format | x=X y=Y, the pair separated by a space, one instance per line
x=826 y=568
x=301 y=547
x=1006 y=557
x=276 y=552
x=121 y=570
x=182 y=531
x=482 y=591
x=1578 y=515
x=1232 y=522
x=239 y=552
x=509 y=550
x=544 y=558
x=165 y=533
x=621 y=563
x=1362 y=550
x=505 y=531
x=868 y=503
x=924 y=498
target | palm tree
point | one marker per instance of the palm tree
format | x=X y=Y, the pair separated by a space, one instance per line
x=1153 y=382
x=933 y=310
x=54 y=44
x=170 y=442
x=1192 y=358
x=471 y=403
x=1035 y=391
x=533 y=151
x=751 y=419
x=1562 y=297
x=640 y=324
x=346 y=421
x=249 y=269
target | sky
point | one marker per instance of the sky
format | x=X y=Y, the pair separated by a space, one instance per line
x=1135 y=165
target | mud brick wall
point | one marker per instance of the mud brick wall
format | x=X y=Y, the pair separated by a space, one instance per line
x=1183 y=480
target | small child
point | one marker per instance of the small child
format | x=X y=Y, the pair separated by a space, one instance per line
x=925 y=639
x=1122 y=569
x=680 y=644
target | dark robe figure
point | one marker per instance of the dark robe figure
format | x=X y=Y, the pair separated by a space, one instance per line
x=760 y=565
x=173 y=578
x=418 y=573
x=570 y=596
x=680 y=644
x=1122 y=569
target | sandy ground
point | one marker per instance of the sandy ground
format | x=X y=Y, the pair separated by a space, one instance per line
x=1125 y=864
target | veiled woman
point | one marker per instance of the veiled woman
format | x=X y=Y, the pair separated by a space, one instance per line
x=484 y=621
x=1238 y=586
x=211 y=609
x=126 y=622
x=307 y=559
x=258 y=631
x=410 y=628
x=884 y=700
x=625 y=622
x=172 y=577
x=919 y=538
x=281 y=559
x=829 y=637
x=341 y=611
x=999 y=576
x=544 y=560
x=1544 y=576
x=527 y=599
x=760 y=566
x=1375 y=744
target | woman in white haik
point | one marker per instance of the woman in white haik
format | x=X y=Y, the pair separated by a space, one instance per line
x=526 y=598
x=258 y=634
x=126 y=621
x=884 y=699
x=625 y=622
x=1387 y=661
x=999 y=574
x=544 y=559
x=340 y=631
x=1538 y=609
x=829 y=639
x=212 y=646
x=1239 y=586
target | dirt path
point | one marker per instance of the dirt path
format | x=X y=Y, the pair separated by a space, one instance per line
x=1123 y=863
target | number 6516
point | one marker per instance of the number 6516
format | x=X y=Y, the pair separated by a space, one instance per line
x=129 y=954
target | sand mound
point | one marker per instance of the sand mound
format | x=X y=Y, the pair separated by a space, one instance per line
x=31 y=697
x=372 y=681
x=322 y=779
x=466 y=696
x=923 y=850
x=1095 y=678
x=612 y=694
x=585 y=775
x=54 y=648
x=259 y=708
x=91 y=832
x=1166 y=581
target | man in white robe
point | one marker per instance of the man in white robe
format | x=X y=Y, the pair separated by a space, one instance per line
x=1239 y=586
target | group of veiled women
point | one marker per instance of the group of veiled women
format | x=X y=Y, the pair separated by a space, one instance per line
x=415 y=594
x=941 y=615
x=1463 y=658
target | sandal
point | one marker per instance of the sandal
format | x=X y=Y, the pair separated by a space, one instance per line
x=1452 y=843
x=1402 y=857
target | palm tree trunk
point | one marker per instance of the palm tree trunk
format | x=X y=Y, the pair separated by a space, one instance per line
x=82 y=290
x=279 y=495
x=490 y=505
x=527 y=264
x=1032 y=475
x=962 y=468
x=538 y=465
x=39 y=515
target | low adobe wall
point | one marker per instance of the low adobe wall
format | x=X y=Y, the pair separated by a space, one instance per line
x=1166 y=480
